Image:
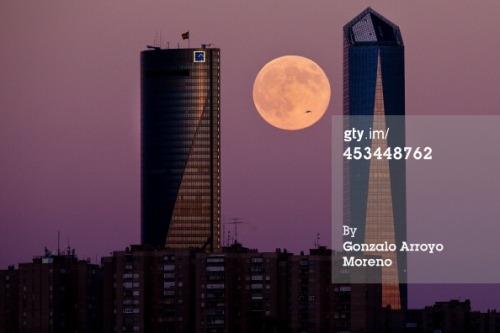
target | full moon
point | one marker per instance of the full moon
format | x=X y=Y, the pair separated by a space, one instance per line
x=291 y=92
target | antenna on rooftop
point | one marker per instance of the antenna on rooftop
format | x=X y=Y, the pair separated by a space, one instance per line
x=316 y=241
x=155 y=45
x=235 y=222
x=223 y=230
x=68 y=249
x=155 y=42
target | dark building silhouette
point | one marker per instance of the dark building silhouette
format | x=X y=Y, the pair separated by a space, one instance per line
x=215 y=302
x=311 y=292
x=9 y=300
x=487 y=322
x=242 y=290
x=180 y=102
x=450 y=316
x=148 y=289
x=374 y=100
x=55 y=293
x=356 y=304
x=154 y=289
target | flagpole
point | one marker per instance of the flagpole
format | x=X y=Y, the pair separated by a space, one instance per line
x=186 y=36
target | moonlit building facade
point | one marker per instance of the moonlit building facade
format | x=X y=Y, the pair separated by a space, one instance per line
x=180 y=146
x=374 y=100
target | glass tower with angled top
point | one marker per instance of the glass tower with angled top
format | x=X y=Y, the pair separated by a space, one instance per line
x=180 y=143
x=374 y=100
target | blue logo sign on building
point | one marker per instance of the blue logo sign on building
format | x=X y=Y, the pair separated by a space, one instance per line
x=199 y=56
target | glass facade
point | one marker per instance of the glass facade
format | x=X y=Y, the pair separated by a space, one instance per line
x=374 y=101
x=180 y=145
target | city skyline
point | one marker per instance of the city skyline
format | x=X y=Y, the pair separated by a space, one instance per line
x=70 y=111
x=153 y=289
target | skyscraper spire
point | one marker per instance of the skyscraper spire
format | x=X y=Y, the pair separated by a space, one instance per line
x=374 y=100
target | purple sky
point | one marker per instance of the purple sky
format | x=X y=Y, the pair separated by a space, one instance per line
x=69 y=110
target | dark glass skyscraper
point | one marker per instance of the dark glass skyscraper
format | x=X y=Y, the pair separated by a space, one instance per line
x=374 y=100
x=180 y=137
